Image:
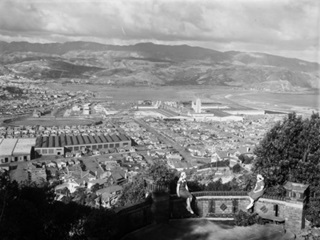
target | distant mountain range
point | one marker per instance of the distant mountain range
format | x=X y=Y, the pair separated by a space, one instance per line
x=151 y=64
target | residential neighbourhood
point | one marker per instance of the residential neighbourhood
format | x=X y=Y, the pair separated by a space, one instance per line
x=88 y=166
x=91 y=162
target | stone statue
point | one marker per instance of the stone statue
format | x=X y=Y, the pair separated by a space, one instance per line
x=183 y=191
x=257 y=192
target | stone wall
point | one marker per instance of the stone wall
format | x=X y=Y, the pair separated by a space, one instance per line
x=291 y=211
x=221 y=206
x=132 y=218
x=211 y=204
x=215 y=205
x=226 y=204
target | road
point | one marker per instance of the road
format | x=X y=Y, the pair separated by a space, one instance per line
x=185 y=154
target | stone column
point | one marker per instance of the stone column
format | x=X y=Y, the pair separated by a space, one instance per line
x=160 y=207
x=294 y=209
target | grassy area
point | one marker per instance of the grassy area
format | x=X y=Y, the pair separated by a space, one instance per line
x=51 y=122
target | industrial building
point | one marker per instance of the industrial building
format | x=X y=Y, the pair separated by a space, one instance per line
x=58 y=145
x=14 y=150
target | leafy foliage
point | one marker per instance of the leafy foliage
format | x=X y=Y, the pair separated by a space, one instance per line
x=313 y=211
x=236 y=168
x=245 y=158
x=30 y=212
x=246 y=219
x=133 y=192
x=195 y=186
x=291 y=151
x=158 y=173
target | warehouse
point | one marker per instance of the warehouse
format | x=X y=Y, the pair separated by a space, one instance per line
x=58 y=145
x=14 y=150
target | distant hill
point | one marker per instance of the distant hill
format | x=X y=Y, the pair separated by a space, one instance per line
x=152 y=64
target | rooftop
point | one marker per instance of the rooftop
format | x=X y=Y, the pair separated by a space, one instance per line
x=7 y=146
x=24 y=145
x=66 y=140
x=296 y=186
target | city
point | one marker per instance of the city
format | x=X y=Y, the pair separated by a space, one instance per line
x=111 y=151
x=161 y=120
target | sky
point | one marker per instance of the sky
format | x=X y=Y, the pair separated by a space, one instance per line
x=289 y=28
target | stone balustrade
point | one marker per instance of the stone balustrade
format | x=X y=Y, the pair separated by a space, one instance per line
x=213 y=205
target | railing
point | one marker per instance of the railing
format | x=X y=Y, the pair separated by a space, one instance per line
x=133 y=218
x=273 y=197
x=219 y=193
x=207 y=204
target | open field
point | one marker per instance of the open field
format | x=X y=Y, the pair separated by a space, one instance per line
x=287 y=102
x=50 y=122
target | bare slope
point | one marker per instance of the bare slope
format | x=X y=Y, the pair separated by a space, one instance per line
x=151 y=64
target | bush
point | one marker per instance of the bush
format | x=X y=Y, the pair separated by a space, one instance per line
x=246 y=219
x=236 y=168
x=195 y=186
x=245 y=159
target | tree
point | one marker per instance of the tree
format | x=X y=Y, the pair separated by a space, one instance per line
x=290 y=151
x=245 y=158
x=236 y=168
x=218 y=186
x=133 y=192
x=160 y=173
x=157 y=174
x=28 y=211
x=245 y=219
x=195 y=186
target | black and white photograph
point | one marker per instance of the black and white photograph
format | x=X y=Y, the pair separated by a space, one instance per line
x=159 y=119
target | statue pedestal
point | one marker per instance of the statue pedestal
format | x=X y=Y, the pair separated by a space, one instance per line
x=160 y=207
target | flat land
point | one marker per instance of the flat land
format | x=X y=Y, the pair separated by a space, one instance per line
x=49 y=122
x=300 y=102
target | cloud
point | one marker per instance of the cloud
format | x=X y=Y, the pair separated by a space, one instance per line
x=286 y=25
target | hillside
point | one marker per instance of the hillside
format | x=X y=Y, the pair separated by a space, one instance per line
x=151 y=64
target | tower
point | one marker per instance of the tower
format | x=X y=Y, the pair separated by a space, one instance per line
x=198 y=106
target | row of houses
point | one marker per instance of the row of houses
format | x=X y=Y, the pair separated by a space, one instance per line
x=35 y=131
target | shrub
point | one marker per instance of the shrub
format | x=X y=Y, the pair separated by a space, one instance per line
x=236 y=168
x=246 y=219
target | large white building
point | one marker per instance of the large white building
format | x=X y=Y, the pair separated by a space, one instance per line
x=245 y=112
x=16 y=150
x=58 y=145
x=196 y=106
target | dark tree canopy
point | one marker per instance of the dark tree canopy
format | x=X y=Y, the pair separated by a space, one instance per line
x=236 y=168
x=291 y=151
x=133 y=192
x=157 y=174
x=160 y=173
x=29 y=212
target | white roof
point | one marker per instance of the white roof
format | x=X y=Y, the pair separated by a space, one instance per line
x=7 y=145
x=24 y=145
